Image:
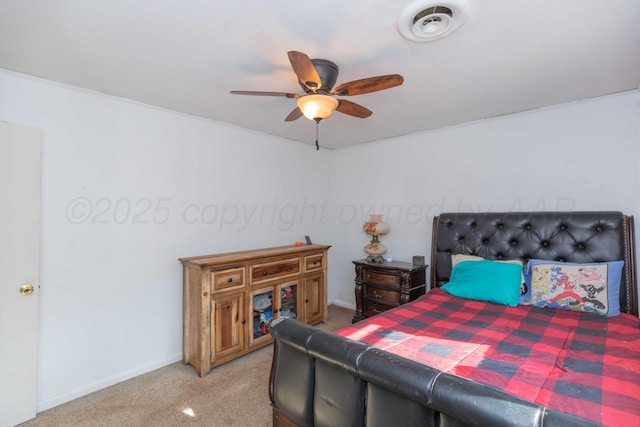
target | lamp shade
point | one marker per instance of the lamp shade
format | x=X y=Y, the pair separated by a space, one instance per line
x=375 y=226
x=317 y=107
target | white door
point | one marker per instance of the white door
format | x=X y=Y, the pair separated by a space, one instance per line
x=20 y=148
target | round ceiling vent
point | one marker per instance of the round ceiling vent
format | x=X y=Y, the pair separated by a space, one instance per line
x=432 y=22
x=427 y=20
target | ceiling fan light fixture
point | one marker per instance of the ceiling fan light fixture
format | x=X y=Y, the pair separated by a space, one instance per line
x=317 y=107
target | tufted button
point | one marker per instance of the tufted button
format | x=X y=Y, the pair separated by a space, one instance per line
x=527 y=226
x=500 y=226
x=513 y=242
x=474 y=224
x=449 y=224
x=545 y=243
x=485 y=241
x=580 y=245
x=448 y=251
x=599 y=228
x=499 y=256
x=560 y=259
x=563 y=227
x=461 y=239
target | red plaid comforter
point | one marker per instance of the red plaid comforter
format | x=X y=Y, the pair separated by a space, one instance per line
x=580 y=363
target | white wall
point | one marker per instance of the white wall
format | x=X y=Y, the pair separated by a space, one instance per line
x=127 y=190
x=579 y=156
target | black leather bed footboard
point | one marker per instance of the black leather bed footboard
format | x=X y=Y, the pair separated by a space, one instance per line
x=321 y=379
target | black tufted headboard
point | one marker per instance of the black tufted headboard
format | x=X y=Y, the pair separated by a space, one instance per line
x=558 y=236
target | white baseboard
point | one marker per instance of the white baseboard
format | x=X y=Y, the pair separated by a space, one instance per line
x=67 y=397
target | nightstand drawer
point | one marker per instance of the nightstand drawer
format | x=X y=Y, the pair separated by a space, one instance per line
x=225 y=279
x=275 y=269
x=382 y=278
x=373 y=309
x=382 y=295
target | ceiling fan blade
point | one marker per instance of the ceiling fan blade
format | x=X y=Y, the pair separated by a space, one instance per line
x=370 y=84
x=304 y=69
x=294 y=115
x=259 y=93
x=353 y=109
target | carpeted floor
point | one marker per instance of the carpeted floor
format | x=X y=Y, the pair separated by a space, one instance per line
x=232 y=394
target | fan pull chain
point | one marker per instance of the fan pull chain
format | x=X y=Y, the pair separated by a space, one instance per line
x=317 y=125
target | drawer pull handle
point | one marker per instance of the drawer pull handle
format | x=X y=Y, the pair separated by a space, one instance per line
x=230 y=279
x=377 y=295
x=368 y=276
x=264 y=273
x=244 y=321
x=204 y=294
x=289 y=267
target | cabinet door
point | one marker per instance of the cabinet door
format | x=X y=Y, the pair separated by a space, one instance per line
x=277 y=300
x=228 y=328
x=262 y=309
x=289 y=301
x=314 y=299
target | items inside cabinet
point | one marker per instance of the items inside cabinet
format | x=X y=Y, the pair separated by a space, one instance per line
x=262 y=312
x=263 y=308
x=288 y=299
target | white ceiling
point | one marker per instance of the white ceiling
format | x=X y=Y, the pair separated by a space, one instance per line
x=508 y=56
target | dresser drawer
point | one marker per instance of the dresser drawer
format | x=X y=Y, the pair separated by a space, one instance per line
x=382 y=295
x=313 y=262
x=261 y=272
x=373 y=309
x=226 y=279
x=382 y=278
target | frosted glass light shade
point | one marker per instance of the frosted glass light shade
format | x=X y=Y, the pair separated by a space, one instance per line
x=317 y=106
x=375 y=226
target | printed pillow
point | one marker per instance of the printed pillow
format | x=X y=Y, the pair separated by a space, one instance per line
x=591 y=287
x=458 y=258
x=486 y=281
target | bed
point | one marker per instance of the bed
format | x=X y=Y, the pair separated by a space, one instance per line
x=443 y=360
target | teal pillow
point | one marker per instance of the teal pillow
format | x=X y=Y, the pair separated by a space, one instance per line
x=486 y=281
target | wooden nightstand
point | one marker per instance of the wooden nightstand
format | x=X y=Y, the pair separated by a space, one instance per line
x=381 y=286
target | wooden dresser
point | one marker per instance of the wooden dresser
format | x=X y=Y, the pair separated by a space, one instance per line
x=381 y=286
x=229 y=297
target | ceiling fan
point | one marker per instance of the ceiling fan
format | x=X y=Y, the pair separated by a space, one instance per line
x=317 y=78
